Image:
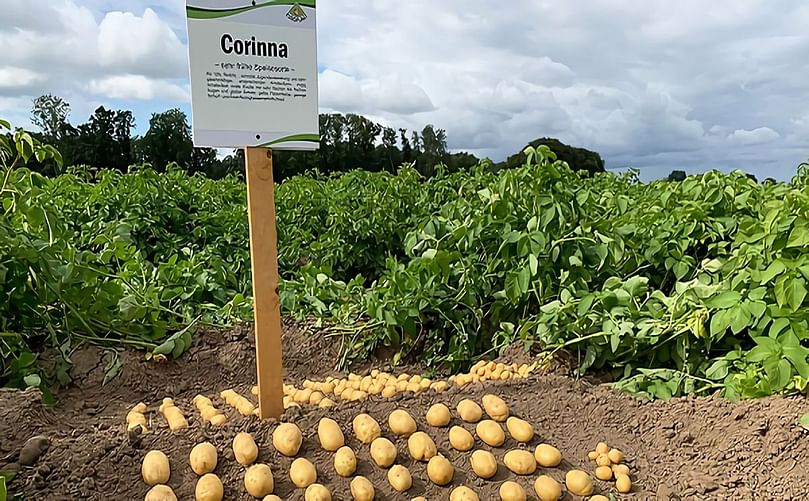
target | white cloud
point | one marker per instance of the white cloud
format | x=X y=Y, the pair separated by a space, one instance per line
x=138 y=87
x=387 y=94
x=759 y=135
x=16 y=78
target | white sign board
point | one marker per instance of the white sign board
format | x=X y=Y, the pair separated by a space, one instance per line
x=253 y=73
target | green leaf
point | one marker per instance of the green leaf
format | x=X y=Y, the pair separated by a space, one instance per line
x=32 y=380
x=799 y=237
x=776 y=268
x=724 y=300
x=790 y=291
x=804 y=422
x=533 y=264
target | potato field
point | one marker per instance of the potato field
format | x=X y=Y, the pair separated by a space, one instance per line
x=526 y=333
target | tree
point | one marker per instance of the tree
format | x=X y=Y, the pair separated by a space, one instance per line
x=677 y=175
x=167 y=140
x=50 y=113
x=576 y=158
x=103 y=141
x=434 y=145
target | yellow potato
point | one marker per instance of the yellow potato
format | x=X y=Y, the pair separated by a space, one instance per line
x=271 y=497
x=512 y=491
x=484 y=464
x=495 y=407
x=245 y=449
x=469 y=411
x=388 y=391
x=209 y=488
x=383 y=452
x=258 y=480
x=366 y=428
x=604 y=473
x=461 y=439
x=362 y=489
x=160 y=492
x=520 y=462
x=399 y=478
x=315 y=397
x=603 y=460
x=579 y=483
x=317 y=492
x=326 y=402
x=490 y=432
x=345 y=461
x=329 y=434
x=623 y=483
x=620 y=469
x=302 y=396
x=302 y=473
x=602 y=448
x=616 y=456
x=219 y=420
x=401 y=386
x=421 y=446
x=439 y=470
x=287 y=439
x=439 y=386
x=463 y=493
x=203 y=458
x=547 y=489
x=548 y=456
x=155 y=468
x=438 y=415
x=592 y=455
x=401 y=423
x=599 y=497
x=520 y=430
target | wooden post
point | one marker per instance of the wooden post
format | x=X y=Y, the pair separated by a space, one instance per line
x=266 y=300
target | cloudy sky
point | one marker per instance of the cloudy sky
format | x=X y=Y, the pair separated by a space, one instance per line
x=652 y=84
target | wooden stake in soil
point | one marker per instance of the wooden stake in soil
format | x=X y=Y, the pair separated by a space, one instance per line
x=266 y=300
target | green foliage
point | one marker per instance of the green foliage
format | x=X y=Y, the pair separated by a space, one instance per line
x=577 y=158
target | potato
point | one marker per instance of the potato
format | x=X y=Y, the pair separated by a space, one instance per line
x=317 y=492
x=602 y=448
x=484 y=464
x=490 y=432
x=383 y=452
x=345 y=462
x=209 y=488
x=469 y=411
x=302 y=473
x=495 y=407
x=155 y=468
x=287 y=439
x=362 y=489
x=326 y=402
x=399 y=478
x=245 y=449
x=461 y=439
x=592 y=455
x=512 y=491
x=419 y=498
x=366 y=428
x=548 y=456
x=579 y=483
x=439 y=386
x=520 y=430
x=203 y=458
x=463 y=493
x=620 y=469
x=604 y=473
x=438 y=415
x=160 y=492
x=219 y=420
x=603 y=460
x=388 y=391
x=599 y=497
x=401 y=423
x=439 y=470
x=330 y=435
x=623 y=483
x=421 y=446
x=258 y=480
x=547 y=489
x=271 y=497
x=616 y=456
x=520 y=462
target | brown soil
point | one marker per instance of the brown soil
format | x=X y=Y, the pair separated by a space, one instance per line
x=688 y=448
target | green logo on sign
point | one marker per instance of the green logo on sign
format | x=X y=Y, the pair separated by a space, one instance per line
x=296 y=14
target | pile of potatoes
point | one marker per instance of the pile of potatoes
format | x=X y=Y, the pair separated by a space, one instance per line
x=610 y=465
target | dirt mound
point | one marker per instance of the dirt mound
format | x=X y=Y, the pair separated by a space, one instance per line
x=688 y=448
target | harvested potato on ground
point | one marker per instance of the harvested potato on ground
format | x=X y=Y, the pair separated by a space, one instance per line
x=463 y=493
x=615 y=456
x=512 y=491
x=490 y=432
x=302 y=473
x=209 y=488
x=548 y=456
x=271 y=497
x=520 y=462
x=388 y=391
x=579 y=483
x=599 y=497
x=317 y=492
x=287 y=439
x=155 y=468
x=401 y=423
x=362 y=489
x=174 y=416
x=366 y=428
x=520 y=430
x=383 y=452
x=604 y=473
x=245 y=449
x=620 y=469
x=484 y=464
x=399 y=478
x=547 y=488
x=203 y=458
x=345 y=461
x=469 y=411
x=421 y=446
x=602 y=448
x=592 y=455
x=495 y=407
x=439 y=470
x=439 y=386
x=136 y=417
x=461 y=439
x=603 y=460
x=258 y=480
x=438 y=415
x=623 y=483
x=160 y=493
x=330 y=435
